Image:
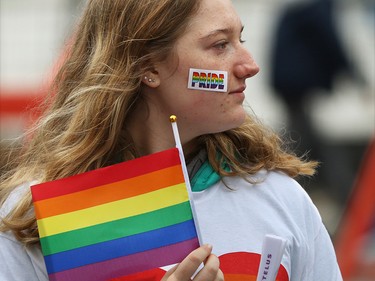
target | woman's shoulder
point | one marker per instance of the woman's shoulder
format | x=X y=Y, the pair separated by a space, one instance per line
x=282 y=185
x=273 y=182
x=14 y=197
x=275 y=190
x=17 y=260
x=20 y=262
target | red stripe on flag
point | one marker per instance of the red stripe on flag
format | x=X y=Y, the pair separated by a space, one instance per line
x=106 y=175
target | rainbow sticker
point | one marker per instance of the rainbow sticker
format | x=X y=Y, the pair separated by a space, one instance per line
x=208 y=80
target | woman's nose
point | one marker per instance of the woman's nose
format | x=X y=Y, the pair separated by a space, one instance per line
x=246 y=67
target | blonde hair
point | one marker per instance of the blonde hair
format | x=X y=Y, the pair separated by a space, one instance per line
x=97 y=87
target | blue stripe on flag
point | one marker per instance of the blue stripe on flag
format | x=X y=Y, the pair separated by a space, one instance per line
x=120 y=247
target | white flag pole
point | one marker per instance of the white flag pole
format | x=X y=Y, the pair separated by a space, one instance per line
x=173 y=120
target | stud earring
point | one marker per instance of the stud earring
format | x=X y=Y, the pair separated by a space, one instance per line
x=149 y=79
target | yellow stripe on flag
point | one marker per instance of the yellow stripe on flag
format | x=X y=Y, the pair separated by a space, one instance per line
x=133 y=206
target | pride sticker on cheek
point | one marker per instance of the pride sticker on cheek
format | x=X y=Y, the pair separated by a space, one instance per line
x=208 y=80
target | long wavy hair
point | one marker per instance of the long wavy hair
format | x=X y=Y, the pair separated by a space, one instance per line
x=97 y=87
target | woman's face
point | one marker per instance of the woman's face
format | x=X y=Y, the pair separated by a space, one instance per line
x=211 y=42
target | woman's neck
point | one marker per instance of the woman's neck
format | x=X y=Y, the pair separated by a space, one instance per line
x=150 y=130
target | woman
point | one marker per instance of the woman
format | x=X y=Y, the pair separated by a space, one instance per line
x=126 y=72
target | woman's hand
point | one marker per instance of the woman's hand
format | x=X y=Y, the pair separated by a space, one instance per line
x=185 y=270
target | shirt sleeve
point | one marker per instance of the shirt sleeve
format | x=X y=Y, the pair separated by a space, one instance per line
x=18 y=263
x=314 y=258
x=324 y=265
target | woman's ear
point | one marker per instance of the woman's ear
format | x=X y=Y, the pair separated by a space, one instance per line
x=151 y=78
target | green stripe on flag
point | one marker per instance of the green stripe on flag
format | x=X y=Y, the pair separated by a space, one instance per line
x=118 y=229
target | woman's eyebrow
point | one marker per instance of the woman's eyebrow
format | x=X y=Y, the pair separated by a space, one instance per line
x=219 y=31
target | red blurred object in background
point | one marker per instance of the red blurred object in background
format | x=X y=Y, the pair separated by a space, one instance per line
x=355 y=240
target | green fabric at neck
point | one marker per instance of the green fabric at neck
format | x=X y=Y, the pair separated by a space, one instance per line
x=204 y=178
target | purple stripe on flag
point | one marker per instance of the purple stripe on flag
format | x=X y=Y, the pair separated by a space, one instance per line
x=129 y=264
x=124 y=246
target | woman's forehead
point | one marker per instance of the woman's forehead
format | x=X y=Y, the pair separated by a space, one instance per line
x=213 y=16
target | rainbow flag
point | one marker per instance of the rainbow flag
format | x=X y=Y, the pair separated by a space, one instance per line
x=115 y=221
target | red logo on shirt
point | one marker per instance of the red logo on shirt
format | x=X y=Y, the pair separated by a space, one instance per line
x=239 y=266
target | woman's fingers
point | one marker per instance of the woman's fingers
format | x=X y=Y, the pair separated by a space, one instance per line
x=190 y=264
x=211 y=270
x=186 y=269
x=169 y=273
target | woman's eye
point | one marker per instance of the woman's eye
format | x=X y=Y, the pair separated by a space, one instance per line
x=221 y=45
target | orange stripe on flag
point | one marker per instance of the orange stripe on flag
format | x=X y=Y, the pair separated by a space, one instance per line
x=114 y=191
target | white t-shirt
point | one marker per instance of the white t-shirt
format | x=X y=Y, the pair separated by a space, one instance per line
x=17 y=262
x=235 y=222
